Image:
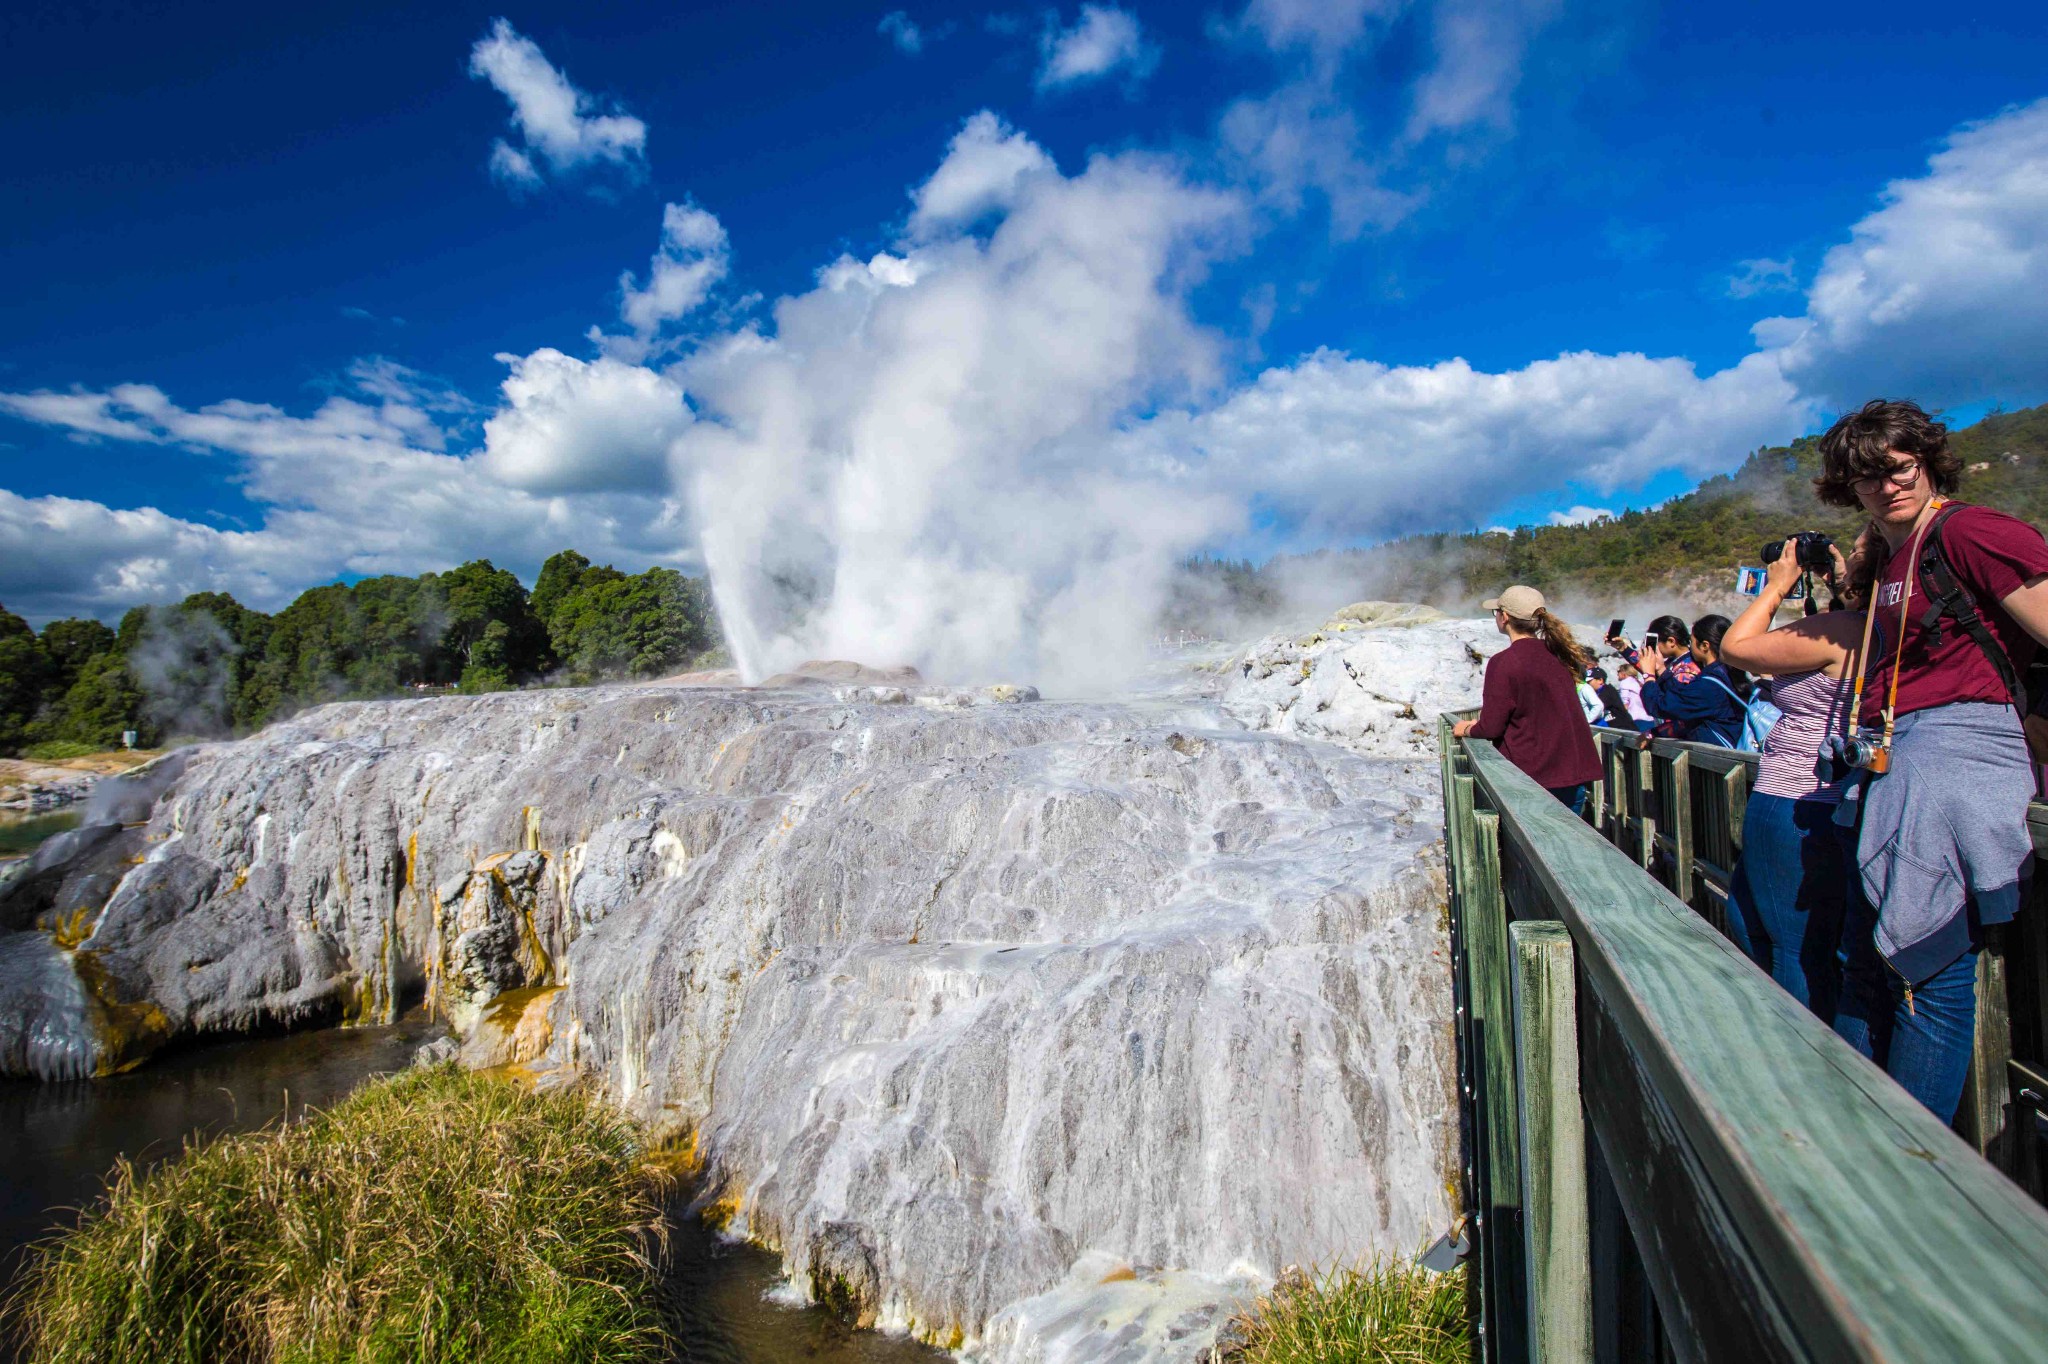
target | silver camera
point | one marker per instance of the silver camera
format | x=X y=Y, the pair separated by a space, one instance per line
x=1841 y=754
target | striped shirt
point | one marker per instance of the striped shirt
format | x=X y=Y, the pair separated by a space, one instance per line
x=1814 y=706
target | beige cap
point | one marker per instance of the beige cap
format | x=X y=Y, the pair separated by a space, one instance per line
x=1520 y=602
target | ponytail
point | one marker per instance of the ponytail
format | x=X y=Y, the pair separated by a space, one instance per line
x=1557 y=637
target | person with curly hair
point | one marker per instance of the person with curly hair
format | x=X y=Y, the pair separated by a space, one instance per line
x=1958 y=602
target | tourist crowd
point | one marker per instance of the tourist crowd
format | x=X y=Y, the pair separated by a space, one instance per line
x=1897 y=735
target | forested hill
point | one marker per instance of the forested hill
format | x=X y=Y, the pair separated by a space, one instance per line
x=1685 y=551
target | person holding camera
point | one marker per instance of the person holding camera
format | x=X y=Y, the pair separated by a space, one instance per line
x=1529 y=702
x=1958 y=604
x=1790 y=890
x=1699 y=696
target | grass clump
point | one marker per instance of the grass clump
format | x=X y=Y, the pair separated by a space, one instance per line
x=1378 y=1313
x=59 y=750
x=436 y=1215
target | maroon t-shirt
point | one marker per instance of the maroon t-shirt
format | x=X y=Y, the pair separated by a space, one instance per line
x=1990 y=553
x=1530 y=708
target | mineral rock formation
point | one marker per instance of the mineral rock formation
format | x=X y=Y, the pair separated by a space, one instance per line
x=1040 y=1029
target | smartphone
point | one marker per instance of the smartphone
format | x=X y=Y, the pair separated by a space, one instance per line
x=1615 y=627
x=1749 y=582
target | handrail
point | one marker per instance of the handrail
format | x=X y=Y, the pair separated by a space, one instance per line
x=1784 y=1198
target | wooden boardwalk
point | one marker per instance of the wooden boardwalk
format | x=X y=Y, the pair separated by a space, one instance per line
x=1669 y=1158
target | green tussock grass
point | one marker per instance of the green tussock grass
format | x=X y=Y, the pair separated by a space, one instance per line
x=59 y=750
x=1376 y=1313
x=436 y=1215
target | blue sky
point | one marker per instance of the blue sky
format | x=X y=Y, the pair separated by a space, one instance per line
x=280 y=209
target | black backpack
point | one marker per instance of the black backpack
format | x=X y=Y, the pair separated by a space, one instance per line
x=1952 y=600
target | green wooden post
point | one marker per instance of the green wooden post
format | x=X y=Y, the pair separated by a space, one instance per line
x=1499 y=1213
x=1679 y=775
x=1735 y=783
x=1646 y=817
x=1555 y=1237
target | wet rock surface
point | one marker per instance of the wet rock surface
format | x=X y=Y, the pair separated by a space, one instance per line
x=957 y=1001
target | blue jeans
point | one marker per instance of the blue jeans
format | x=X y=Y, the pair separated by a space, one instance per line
x=1926 y=1047
x=1574 y=797
x=1790 y=891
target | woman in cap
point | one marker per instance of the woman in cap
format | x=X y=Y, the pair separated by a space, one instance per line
x=1530 y=705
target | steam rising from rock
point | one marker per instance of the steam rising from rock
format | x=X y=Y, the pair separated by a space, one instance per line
x=913 y=467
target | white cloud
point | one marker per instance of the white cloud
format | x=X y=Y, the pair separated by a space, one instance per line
x=1103 y=40
x=1344 y=449
x=897 y=27
x=573 y=426
x=694 y=256
x=1308 y=132
x=1761 y=276
x=1479 y=47
x=1942 y=293
x=1327 y=29
x=986 y=165
x=358 y=486
x=558 y=123
x=1301 y=138
x=1581 y=516
x=62 y=556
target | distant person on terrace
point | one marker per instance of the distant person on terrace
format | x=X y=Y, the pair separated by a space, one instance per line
x=1530 y=703
x=1791 y=888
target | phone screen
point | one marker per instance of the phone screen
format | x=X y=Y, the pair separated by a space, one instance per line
x=1614 y=627
x=1749 y=582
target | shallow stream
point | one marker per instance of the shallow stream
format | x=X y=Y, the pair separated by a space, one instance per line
x=21 y=833
x=61 y=1139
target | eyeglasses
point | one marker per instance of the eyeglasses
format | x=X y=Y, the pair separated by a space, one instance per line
x=1899 y=476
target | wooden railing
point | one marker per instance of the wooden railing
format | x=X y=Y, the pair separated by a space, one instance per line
x=1666 y=1155
x=1684 y=803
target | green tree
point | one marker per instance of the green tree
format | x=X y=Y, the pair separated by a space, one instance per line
x=488 y=668
x=70 y=644
x=100 y=704
x=640 y=626
x=559 y=576
x=479 y=596
x=24 y=673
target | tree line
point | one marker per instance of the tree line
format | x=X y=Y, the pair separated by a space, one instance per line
x=209 y=666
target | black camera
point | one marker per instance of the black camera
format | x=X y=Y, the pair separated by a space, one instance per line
x=1813 y=551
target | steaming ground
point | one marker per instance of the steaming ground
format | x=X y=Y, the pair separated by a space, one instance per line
x=1044 y=1030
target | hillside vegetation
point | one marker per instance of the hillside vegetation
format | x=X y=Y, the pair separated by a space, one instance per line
x=1685 y=551
x=210 y=666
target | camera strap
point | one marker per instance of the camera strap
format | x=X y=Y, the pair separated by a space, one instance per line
x=1891 y=702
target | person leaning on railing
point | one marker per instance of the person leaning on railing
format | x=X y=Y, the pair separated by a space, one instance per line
x=1958 y=604
x=1530 y=706
x=1791 y=885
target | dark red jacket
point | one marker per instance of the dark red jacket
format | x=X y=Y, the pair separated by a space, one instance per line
x=1531 y=710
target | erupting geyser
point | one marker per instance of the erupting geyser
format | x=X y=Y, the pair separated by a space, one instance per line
x=1041 y=1029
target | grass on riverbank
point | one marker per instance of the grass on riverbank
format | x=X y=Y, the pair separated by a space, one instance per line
x=435 y=1215
x=1378 y=1313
